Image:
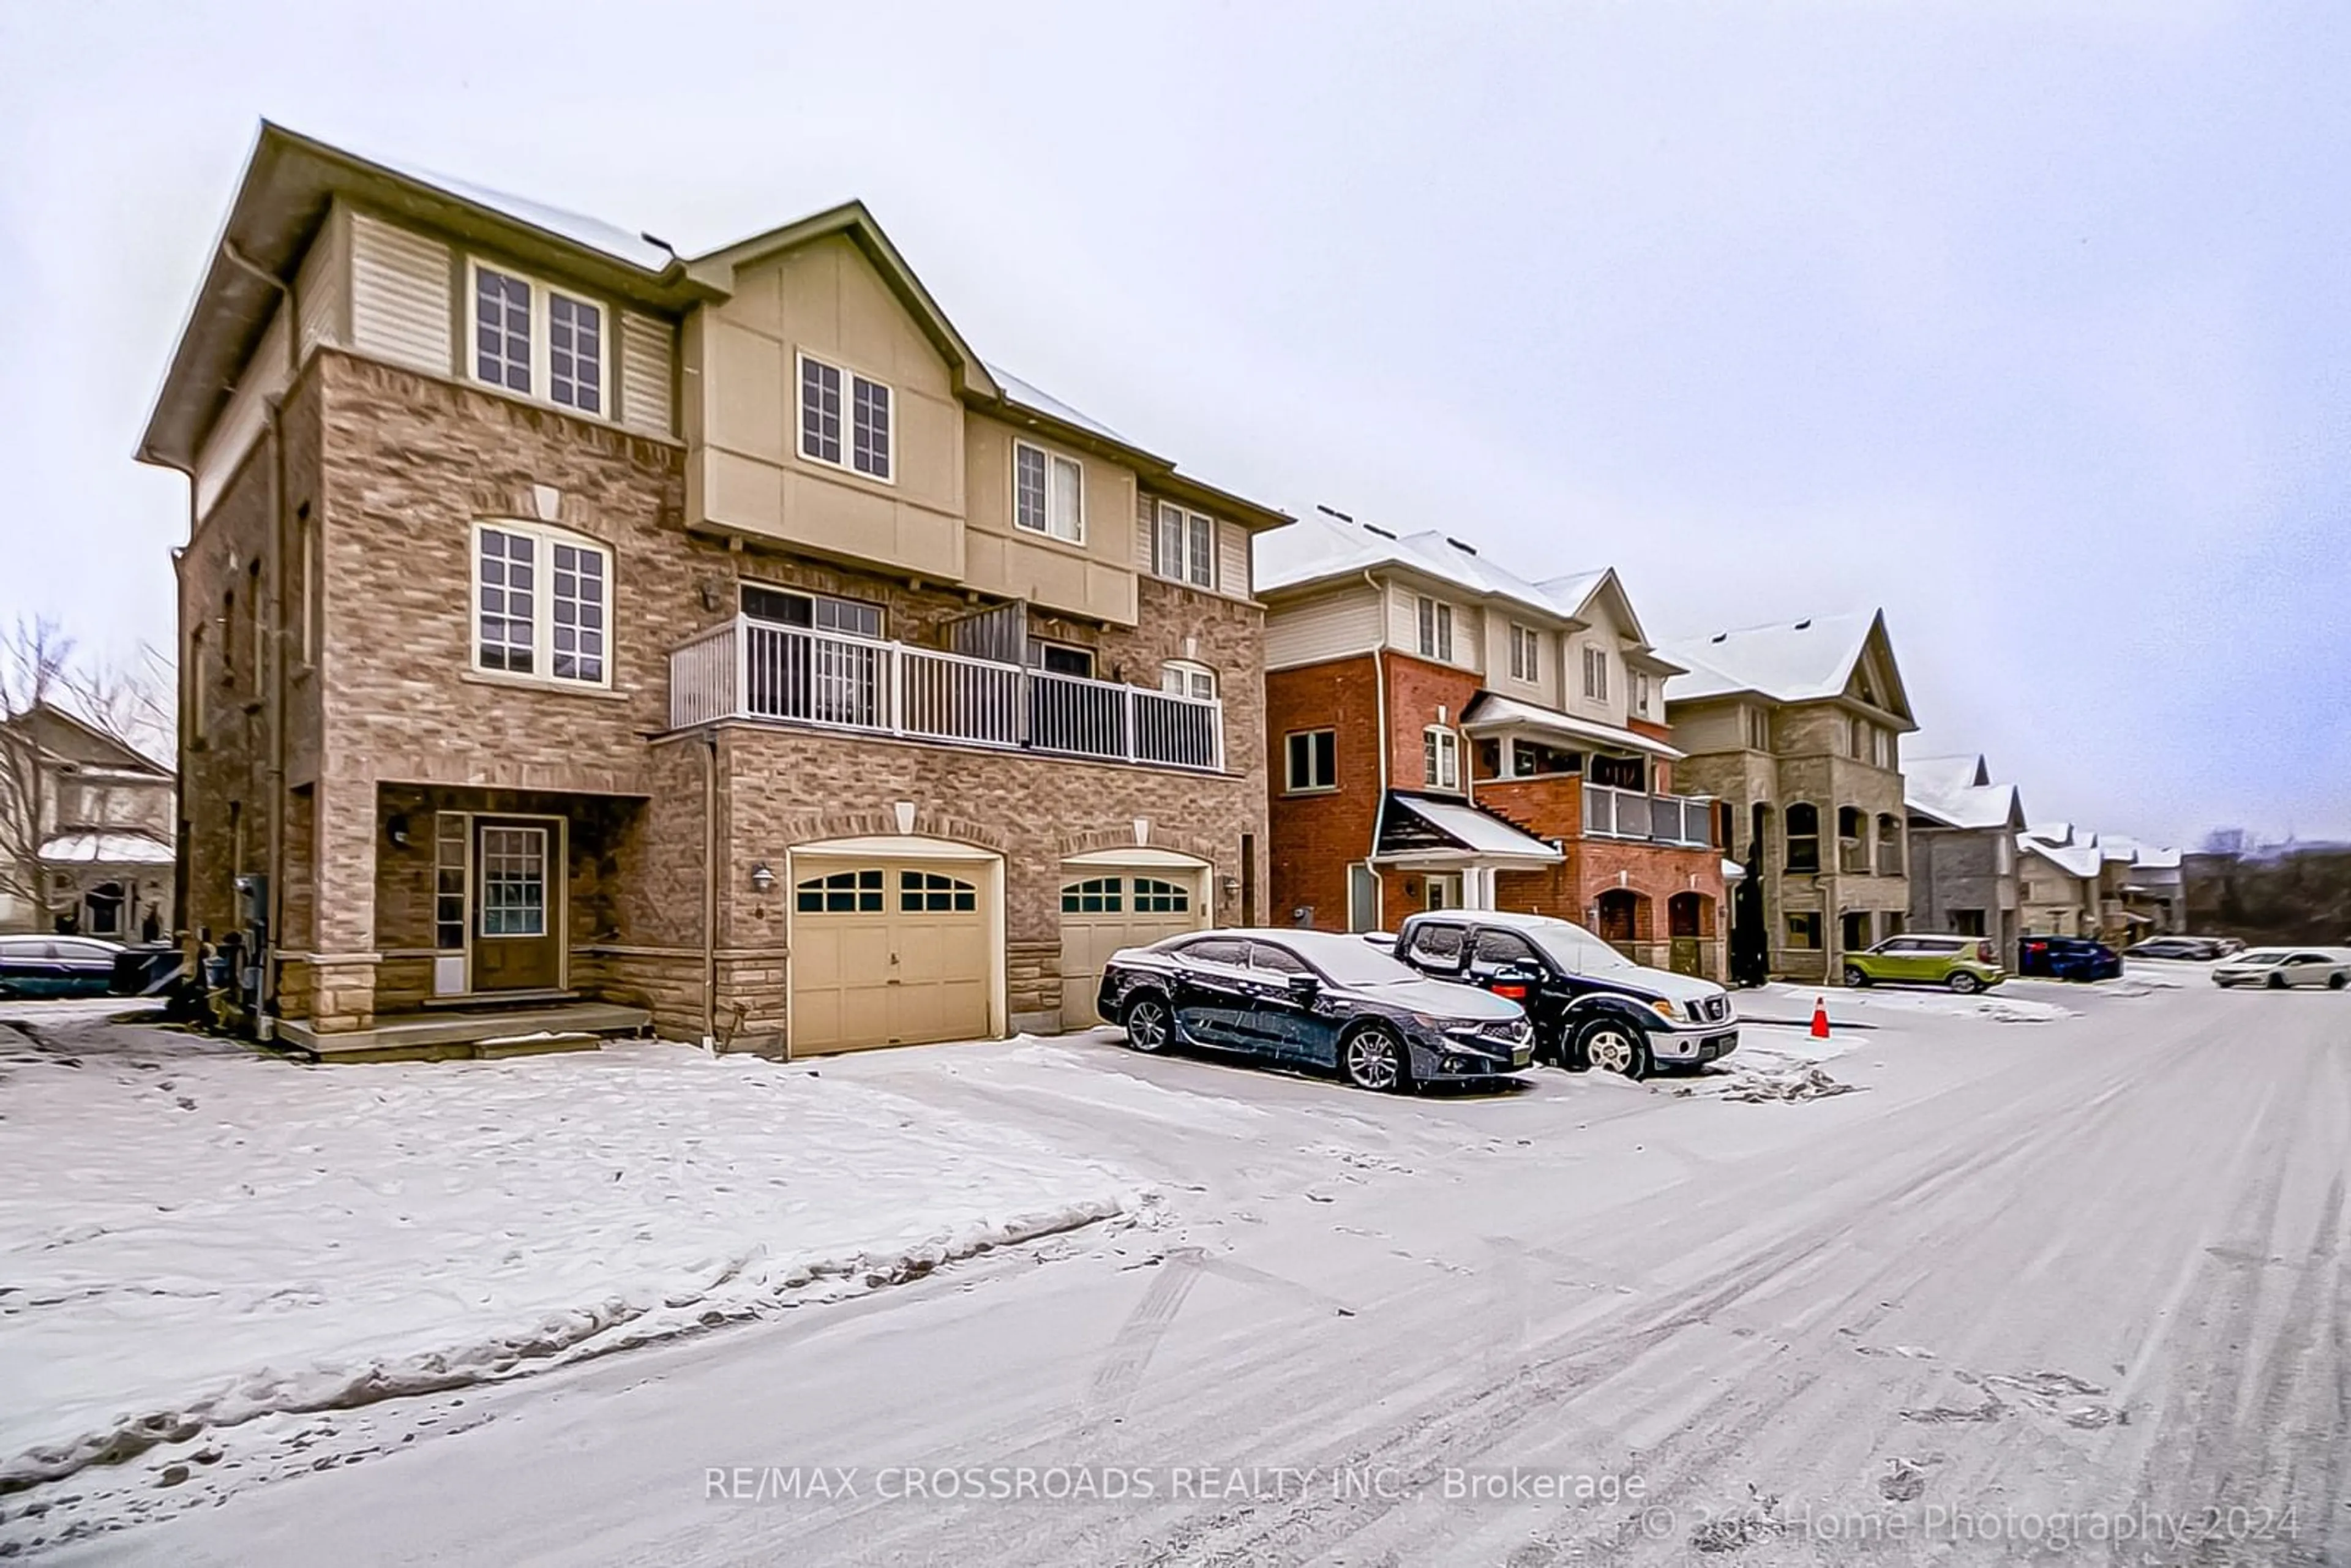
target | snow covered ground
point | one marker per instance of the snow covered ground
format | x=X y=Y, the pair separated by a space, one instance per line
x=194 y=1237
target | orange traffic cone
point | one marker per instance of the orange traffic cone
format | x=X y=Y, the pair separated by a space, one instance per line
x=1820 y=1018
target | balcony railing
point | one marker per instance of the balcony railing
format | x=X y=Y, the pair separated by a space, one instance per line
x=1680 y=820
x=791 y=675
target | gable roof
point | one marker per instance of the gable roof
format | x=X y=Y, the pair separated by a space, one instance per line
x=1957 y=792
x=2080 y=861
x=73 y=739
x=1811 y=660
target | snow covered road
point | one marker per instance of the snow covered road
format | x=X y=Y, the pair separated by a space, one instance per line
x=2062 y=1278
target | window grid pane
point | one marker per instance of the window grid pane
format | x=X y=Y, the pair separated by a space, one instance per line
x=508 y=601
x=1069 y=510
x=513 y=882
x=1202 y=565
x=575 y=353
x=820 y=411
x=502 y=329
x=1029 y=488
x=1170 y=561
x=871 y=454
x=577 y=600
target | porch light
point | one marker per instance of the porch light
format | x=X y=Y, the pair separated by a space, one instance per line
x=762 y=879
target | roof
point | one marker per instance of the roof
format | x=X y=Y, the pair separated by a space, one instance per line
x=1432 y=824
x=1957 y=792
x=2075 y=860
x=1028 y=396
x=106 y=849
x=1732 y=871
x=1491 y=711
x=1809 y=660
x=1321 y=546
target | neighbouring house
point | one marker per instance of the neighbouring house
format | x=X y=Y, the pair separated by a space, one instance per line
x=85 y=830
x=2143 y=894
x=1443 y=732
x=1794 y=728
x=2057 y=888
x=576 y=635
x=1963 y=864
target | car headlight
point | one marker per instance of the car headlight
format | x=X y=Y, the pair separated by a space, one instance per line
x=1664 y=1010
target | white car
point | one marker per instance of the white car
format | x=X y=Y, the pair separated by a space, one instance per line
x=2279 y=967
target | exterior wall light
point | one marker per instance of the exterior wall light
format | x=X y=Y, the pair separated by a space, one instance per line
x=762 y=879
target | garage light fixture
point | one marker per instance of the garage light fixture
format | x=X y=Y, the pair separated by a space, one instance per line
x=762 y=879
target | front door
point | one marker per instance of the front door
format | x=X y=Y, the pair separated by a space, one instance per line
x=517 y=936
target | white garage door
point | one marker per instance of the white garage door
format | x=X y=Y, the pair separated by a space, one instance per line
x=1105 y=908
x=887 y=954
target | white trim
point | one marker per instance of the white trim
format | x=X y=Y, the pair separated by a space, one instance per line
x=1447 y=750
x=542 y=615
x=1148 y=859
x=1188 y=672
x=850 y=376
x=901 y=848
x=1189 y=524
x=1289 y=785
x=1051 y=455
x=895 y=846
x=607 y=339
x=558 y=893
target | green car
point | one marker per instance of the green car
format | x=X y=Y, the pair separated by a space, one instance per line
x=1964 y=963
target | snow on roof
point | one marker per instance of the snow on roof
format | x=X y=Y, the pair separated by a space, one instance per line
x=1489 y=710
x=1787 y=660
x=1946 y=788
x=2052 y=832
x=1029 y=396
x=635 y=249
x=1482 y=833
x=2159 y=860
x=1319 y=545
x=1732 y=871
x=2075 y=860
x=106 y=849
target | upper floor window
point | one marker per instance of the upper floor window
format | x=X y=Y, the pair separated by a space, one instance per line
x=541 y=603
x=536 y=339
x=1804 y=833
x=1441 y=757
x=818 y=612
x=1526 y=653
x=1640 y=692
x=1596 y=672
x=1759 y=728
x=845 y=420
x=1183 y=678
x=1062 y=659
x=1185 y=547
x=1311 y=760
x=1435 y=630
x=1049 y=493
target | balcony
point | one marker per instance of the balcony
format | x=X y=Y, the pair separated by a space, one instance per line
x=790 y=674
x=1678 y=820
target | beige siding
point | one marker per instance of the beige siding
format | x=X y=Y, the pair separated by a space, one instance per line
x=647 y=374
x=1713 y=727
x=1232 y=561
x=246 y=415
x=1092 y=577
x=1403 y=625
x=1342 y=621
x=322 y=289
x=401 y=302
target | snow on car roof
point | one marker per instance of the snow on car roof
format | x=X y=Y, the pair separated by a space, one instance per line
x=1787 y=660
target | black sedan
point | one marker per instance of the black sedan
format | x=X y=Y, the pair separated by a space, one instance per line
x=1310 y=999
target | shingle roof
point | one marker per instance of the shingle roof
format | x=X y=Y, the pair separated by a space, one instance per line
x=1786 y=661
x=1947 y=790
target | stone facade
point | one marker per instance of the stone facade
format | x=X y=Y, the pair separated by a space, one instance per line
x=1962 y=878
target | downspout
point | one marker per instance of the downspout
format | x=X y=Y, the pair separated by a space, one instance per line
x=1380 y=698
x=710 y=892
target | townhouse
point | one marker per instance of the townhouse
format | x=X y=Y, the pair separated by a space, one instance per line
x=1963 y=854
x=86 y=827
x=2057 y=888
x=1795 y=729
x=576 y=637
x=1444 y=732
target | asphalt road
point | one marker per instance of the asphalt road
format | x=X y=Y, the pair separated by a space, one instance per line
x=2073 y=1292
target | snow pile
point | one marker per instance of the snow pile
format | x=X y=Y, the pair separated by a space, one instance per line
x=1856 y=1004
x=197 y=1240
x=1786 y=1083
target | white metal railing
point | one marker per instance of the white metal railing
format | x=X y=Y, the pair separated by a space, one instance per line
x=793 y=674
x=1612 y=814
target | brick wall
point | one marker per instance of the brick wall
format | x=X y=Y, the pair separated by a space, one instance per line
x=1317 y=836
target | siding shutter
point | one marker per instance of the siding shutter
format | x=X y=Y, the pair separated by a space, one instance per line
x=400 y=296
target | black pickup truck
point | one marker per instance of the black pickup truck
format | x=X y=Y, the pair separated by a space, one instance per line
x=1591 y=1006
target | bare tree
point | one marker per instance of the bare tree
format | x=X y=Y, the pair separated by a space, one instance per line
x=34 y=658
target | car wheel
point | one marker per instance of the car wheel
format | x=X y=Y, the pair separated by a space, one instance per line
x=1967 y=984
x=1150 y=1028
x=2277 y=982
x=1856 y=976
x=1373 y=1059
x=2337 y=980
x=1613 y=1045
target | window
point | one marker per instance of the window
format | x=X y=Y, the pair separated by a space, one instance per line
x=1503 y=949
x=1060 y=659
x=1094 y=895
x=919 y=891
x=1759 y=728
x=1855 y=934
x=1532 y=758
x=541 y=604
x=449 y=881
x=1440 y=751
x=1184 y=548
x=819 y=611
x=1276 y=960
x=1804 y=837
x=843 y=893
x=1049 y=493
x=830 y=396
x=1153 y=896
x=1183 y=678
x=1968 y=922
x=539 y=340
x=1435 y=630
x=1441 y=891
x=1526 y=653
x=1804 y=931
x=1857 y=738
x=1223 y=950
x=2004 y=854
x=1439 y=945
x=1883 y=748
x=1313 y=760
x=1889 y=845
x=1640 y=692
x=513 y=882
x=1595 y=673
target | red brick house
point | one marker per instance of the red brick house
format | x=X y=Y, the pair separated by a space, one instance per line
x=1445 y=733
x=580 y=636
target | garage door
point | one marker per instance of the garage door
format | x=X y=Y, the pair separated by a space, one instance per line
x=887 y=955
x=1105 y=908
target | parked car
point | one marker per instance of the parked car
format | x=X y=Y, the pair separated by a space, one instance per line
x=2191 y=949
x=2227 y=944
x=1592 y=1005
x=1962 y=964
x=57 y=965
x=1311 y=999
x=2280 y=969
x=2067 y=958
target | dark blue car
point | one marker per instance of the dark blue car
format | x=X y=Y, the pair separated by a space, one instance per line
x=2067 y=958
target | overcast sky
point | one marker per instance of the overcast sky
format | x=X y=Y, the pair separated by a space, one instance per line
x=2030 y=323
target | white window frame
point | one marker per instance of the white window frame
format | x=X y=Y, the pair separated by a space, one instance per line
x=1189 y=678
x=1194 y=557
x=1051 y=456
x=1595 y=673
x=850 y=376
x=542 y=373
x=1441 y=757
x=542 y=608
x=1640 y=705
x=1433 y=619
x=1526 y=653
